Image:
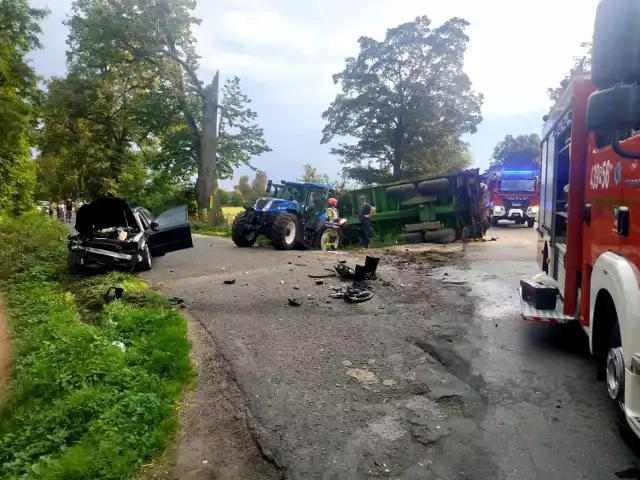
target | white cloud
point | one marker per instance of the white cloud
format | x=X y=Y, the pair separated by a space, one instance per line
x=285 y=52
x=516 y=50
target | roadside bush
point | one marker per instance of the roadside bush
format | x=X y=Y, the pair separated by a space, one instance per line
x=77 y=405
x=32 y=244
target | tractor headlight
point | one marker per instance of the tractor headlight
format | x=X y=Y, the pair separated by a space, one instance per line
x=268 y=205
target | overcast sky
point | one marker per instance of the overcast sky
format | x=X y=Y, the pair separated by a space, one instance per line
x=285 y=52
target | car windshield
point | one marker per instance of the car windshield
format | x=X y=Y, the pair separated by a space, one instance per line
x=518 y=185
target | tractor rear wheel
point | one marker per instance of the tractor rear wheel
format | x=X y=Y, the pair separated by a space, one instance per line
x=240 y=233
x=286 y=232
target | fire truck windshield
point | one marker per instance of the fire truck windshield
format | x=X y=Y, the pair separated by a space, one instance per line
x=512 y=185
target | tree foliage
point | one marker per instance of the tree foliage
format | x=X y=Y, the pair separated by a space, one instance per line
x=581 y=65
x=249 y=190
x=133 y=87
x=311 y=175
x=19 y=101
x=522 y=151
x=406 y=100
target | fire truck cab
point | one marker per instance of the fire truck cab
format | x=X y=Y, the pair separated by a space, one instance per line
x=589 y=230
x=514 y=195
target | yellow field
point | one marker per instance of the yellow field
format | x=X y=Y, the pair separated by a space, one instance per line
x=230 y=213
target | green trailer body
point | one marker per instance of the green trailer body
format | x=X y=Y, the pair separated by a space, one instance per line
x=452 y=201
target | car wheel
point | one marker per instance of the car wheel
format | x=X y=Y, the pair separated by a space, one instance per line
x=73 y=262
x=145 y=264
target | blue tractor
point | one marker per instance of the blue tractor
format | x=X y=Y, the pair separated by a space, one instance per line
x=293 y=217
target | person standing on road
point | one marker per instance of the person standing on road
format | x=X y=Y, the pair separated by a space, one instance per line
x=366 y=211
x=69 y=210
x=332 y=211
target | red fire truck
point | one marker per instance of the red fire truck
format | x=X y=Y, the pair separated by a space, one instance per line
x=589 y=230
x=514 y=195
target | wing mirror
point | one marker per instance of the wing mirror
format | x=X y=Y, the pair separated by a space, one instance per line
x=615 y=108
x=154 y=225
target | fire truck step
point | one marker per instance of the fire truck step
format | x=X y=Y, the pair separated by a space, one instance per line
x=531 y=314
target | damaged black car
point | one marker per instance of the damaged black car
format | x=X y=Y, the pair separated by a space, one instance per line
x=111 y=234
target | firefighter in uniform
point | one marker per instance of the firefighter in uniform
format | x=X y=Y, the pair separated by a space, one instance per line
x=332 y=211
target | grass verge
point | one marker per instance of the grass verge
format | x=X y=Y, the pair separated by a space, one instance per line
x=78 y=406
x=223 y=230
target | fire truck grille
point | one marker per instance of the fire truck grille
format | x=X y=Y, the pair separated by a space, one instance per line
x=514 y=202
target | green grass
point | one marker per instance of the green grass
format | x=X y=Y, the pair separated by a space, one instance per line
x=78 y=407
x=223 y=230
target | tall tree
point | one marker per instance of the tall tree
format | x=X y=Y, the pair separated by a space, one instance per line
x=581 y=64
x=19 y=99
x=404 y=99
x=522 y=151
x=311 y=175
x=244 y=187
x=157 y=35
x=259 y=183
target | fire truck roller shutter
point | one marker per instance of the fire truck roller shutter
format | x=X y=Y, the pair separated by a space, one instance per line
x=615 y=303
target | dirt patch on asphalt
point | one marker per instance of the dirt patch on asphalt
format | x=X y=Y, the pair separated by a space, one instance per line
x=5 y=352
x=216 y=439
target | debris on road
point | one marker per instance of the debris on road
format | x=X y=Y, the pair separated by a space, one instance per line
x=356 y=293
x=117 y=294
x=319 y=282
x=294 y=302
x=230 y=281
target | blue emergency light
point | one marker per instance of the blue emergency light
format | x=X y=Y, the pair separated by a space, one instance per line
x=518 y=172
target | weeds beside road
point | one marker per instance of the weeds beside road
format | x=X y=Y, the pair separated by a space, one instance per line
x=78 y=406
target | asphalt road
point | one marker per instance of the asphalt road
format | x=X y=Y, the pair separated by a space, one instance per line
x=435 y=377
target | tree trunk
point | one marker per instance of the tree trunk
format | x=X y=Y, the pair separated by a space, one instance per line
x=208 y=174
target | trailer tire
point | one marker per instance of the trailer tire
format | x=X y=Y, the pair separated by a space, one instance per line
x=285 y=233
x=402 y=192
x=434 y=187
x=530 y=222
x=239 y=233
x=446 y=235
x=405 y=238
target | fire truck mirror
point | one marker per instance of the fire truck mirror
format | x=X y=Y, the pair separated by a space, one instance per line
x=616 y=44
x=614 y=110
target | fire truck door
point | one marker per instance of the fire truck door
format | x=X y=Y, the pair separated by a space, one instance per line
x=627 y=174
x=603 y=197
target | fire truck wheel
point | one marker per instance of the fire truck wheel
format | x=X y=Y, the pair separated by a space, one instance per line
x=402 y=191
x=615 y=373
x=494 y=222
x=530 y=223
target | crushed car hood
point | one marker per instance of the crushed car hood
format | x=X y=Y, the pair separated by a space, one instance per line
x=104 y=213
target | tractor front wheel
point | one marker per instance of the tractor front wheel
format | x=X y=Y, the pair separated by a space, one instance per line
x=286 y=232
x=330 y=239
x=240 y=232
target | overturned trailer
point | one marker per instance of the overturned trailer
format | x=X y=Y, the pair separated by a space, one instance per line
x=437 y=209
